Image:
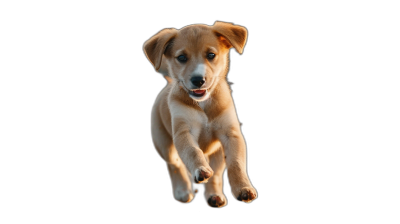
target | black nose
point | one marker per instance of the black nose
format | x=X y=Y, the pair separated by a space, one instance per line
x=198 y=81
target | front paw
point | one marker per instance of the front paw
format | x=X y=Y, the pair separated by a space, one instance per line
x=217 y=201
x=247 y=194
x=202 y=174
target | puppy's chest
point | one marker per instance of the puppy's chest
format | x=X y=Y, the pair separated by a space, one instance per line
x=207 y=140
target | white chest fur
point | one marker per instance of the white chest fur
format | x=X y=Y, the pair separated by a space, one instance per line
x=207 y=141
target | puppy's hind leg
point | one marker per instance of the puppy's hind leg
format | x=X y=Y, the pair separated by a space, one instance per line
x=214 y=192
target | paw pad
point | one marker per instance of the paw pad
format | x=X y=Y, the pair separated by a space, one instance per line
x=216 y=201
x=202 y=175
x=247 y=194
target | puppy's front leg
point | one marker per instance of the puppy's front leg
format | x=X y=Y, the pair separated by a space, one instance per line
x=186 y=127
x=235 y=151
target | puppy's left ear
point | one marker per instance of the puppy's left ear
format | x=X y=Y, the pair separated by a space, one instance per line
x=155 y=47
x=232 y=35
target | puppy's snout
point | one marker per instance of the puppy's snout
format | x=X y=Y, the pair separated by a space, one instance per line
x=197 y=81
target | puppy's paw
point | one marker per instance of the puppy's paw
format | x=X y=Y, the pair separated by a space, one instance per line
x=184 y=196
x=202 y=174
x=216 y=201
x=247 y=194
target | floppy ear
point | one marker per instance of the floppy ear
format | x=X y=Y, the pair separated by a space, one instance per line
x=155 y=47
x=234 y=34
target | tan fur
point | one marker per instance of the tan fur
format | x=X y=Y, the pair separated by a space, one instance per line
x=193 y=136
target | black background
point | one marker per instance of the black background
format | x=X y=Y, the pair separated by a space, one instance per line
x=283 y=89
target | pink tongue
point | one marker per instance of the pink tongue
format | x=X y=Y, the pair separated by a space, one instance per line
x=199 y=91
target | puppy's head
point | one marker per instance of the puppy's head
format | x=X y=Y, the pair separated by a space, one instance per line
x=195 y=56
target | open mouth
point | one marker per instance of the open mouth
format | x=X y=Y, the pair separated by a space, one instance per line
x=198 y=93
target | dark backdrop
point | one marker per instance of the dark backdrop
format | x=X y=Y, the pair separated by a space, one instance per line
x=281 y=88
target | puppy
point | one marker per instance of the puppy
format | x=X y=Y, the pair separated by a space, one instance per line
x=194 y=124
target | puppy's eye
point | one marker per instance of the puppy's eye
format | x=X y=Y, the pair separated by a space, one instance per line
x=210 y=56
x=182 y=58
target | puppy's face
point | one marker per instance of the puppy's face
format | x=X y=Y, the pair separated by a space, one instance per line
x=197 y=58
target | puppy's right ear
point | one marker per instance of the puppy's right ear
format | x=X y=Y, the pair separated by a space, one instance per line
x=155 y=47
x=236 y=35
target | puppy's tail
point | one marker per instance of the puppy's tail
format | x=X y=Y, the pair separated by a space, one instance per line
x=164 y=70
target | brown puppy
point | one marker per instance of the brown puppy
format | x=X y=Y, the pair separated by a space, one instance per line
x=194 y=125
